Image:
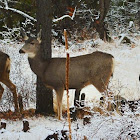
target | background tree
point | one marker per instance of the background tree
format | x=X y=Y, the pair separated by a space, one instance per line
x=11 y=19
x=121 y=13
x=89 y=15
x=44 y=96
x=139 y=13
x=99 y=23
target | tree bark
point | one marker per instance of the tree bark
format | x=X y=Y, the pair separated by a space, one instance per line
x=99 y=24
x=139 y=14
x=44 y=96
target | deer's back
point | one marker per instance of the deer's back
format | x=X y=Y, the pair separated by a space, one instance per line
x=82 y=69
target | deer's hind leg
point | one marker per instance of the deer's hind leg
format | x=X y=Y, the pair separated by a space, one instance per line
x=76 y=98
x=59 y=95
x=1 y=91
x=12 y=87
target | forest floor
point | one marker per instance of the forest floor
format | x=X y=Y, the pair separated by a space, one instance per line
x=125 y=82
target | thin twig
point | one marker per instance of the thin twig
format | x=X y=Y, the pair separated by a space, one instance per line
x=67 y=83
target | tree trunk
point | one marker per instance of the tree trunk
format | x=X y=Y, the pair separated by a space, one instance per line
x=99 y=24
x=139 y=14
x=44 y=96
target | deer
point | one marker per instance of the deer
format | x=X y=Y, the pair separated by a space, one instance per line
x=4 y=78
x=95 y=68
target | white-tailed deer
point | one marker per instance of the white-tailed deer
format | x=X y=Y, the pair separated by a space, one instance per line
x=95 y=68
x=4 y=77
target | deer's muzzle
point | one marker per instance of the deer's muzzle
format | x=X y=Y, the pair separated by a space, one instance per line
x=21 y=51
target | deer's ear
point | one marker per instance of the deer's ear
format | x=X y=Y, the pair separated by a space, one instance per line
x=23 y=34
x=39 y=40
x=25 y=38
x=39 y=36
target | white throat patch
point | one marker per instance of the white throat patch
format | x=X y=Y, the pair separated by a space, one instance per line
x=31 y=55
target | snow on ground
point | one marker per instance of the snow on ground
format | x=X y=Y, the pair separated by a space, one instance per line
x=125 y=82
x=108 y=128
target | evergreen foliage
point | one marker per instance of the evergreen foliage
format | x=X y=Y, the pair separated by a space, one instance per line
x=120 y=15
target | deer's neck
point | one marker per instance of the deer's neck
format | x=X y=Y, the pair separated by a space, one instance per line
x=38 y=65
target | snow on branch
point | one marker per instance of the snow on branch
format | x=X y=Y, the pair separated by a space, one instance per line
x=17 y=11
x=65 y=16
x=31 y=18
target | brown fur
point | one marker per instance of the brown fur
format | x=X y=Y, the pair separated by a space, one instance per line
x=82 y=112
x=95 y=68
x=4 y=77
x=99 y=110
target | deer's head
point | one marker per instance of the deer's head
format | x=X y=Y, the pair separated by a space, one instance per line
x=31 y=46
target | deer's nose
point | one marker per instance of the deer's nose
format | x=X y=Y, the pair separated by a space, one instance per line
x=21 y=51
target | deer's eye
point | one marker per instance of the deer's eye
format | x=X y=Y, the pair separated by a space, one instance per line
x=32 y=43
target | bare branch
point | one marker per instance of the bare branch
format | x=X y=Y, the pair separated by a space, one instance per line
x=17 y=11
x=66 y=16
x=31 y=18
x=58 y=19
x=6 y=4
x=73 y=14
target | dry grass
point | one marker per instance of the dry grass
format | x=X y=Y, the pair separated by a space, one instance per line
x=10 y=115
